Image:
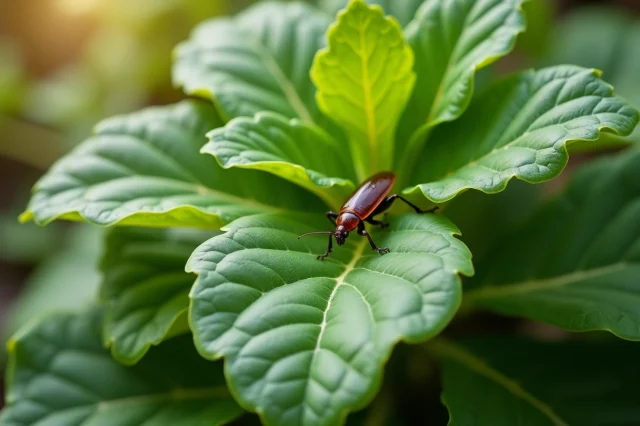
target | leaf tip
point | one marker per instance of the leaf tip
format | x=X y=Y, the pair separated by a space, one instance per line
x=26 y=217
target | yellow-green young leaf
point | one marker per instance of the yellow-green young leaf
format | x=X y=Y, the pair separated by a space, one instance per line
x=506 y=381
x=576 y=263
x=60 y=375
x=299 y=152
x=451 y=39
x=305 y=340
x=256 y=61
x=145 y=287
x=146 y=169
x=402 y=10
x=364 y=78
x=519 y=127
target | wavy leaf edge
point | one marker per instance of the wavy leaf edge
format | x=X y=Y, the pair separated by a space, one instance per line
x=564 y=149
x=378 y=379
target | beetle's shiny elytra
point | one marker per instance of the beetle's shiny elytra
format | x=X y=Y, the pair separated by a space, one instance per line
x=368 y=200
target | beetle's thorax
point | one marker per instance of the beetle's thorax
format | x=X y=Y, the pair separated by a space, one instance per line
x=347 y=221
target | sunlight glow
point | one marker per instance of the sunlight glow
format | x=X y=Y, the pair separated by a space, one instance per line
x=78 y=7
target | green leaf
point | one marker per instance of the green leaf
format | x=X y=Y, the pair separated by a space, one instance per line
x=473 y=211
x=601 y=38
x=301 y=153
x=403 y=10
x=67 y=281
x=576 y=263
x=305 y=340
x=506 y=381
x=257 y=61
x=364 y=79
x=59 y=374
x=145 y=169
x=519 y=127
x=451 y=39
x=146 y=288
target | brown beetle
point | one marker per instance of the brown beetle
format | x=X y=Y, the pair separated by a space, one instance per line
x=368 y=200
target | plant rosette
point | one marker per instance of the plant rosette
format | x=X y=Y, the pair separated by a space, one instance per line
x=289 y=114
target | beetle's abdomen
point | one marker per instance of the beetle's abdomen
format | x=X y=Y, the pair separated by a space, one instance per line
x=370 y=194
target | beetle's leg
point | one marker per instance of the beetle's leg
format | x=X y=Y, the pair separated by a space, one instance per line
x=364 y=233
x=376 y=222
x=391 y=198
x=326 y=254
x=332 y=216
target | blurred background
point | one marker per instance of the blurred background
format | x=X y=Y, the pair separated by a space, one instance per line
x=66 y=64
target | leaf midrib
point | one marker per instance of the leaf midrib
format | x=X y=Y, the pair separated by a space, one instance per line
x=178 y=394
x=357 y=255
x=195 y=189
x=458 y=353
x=288 y=88
x=529 y=286
x=368 y=99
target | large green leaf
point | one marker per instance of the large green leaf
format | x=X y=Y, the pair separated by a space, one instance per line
x=146 y=288
x=519 y=128
x=59 y=374
x=601 y=38
x=451 y=39
x=145 y=169
x=403 y=10
x=289 y=148
x=257 y=61
x=576 y=263
x=304 y=339
x=364 y=79
x=500 y=381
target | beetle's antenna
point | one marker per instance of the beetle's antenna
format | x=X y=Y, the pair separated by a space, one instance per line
x=316 y=232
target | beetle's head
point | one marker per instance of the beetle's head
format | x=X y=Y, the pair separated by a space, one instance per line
x=341 y=234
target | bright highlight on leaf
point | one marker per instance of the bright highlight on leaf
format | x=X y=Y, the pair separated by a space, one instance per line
x=146 y=288
x=576 y=263
x=60 y=374
x=305 y=340
x=296 y=151
x=146 y=169
x=451 y=40
x=364 y=78
x=519 y=127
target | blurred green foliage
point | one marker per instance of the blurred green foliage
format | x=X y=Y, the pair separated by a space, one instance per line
x=607 y=39
x=123 y=66
x=12 y=77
